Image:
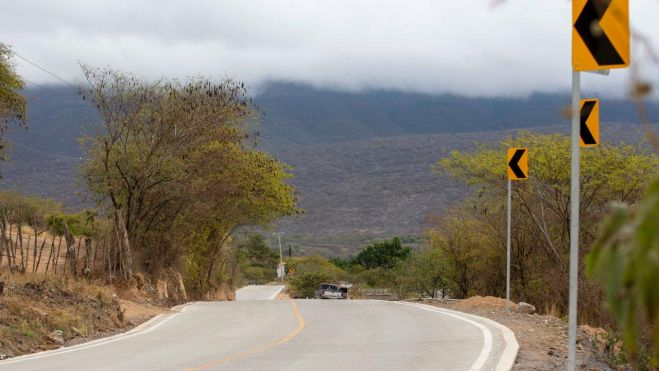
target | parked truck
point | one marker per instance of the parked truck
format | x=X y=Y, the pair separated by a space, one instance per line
x=328 y=291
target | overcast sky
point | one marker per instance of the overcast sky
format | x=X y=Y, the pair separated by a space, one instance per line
x=459 y=46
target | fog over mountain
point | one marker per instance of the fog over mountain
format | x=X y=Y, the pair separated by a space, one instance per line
x=361 y=161
x=474 y=48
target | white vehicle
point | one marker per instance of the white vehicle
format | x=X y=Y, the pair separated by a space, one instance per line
x=328 y=291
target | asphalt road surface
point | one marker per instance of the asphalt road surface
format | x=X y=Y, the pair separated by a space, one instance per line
x=293 y=335
x=253 y=292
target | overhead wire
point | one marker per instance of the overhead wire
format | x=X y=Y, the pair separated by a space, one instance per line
x=45 y=70
x=33 y=83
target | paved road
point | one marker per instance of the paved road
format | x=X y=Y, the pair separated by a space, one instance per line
x=254 y=292
x=292 y=335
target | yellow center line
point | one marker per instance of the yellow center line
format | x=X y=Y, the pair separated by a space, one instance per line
x=285 y=339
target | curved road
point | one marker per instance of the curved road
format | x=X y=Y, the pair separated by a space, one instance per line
x=257 y=333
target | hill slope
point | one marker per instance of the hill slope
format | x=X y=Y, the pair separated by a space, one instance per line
x=298 y=114
x=361 y=160
x=358 y=191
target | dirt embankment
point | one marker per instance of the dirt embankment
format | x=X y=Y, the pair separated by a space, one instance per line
x=41 y=313
x=542 y=339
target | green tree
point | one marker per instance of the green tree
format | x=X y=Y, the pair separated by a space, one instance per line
x=310 y=272
x=259 y=253
x=305 y=284
x=541 y=213
x=175 y=169
x=233 y=188
x=13 y=105
x=423 y=273
x=385 y=254
x=625 y=259
x=457 y=243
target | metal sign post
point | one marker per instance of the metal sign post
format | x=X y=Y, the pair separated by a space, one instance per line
x=574 y=224
x=508 y=248
x=518 y=169
x=600 y=41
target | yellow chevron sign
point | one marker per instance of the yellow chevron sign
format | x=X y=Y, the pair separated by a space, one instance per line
x=518 y=163
x=589 y=128
x=600 y=34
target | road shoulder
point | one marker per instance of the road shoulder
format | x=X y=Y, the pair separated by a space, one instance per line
x=542 y=339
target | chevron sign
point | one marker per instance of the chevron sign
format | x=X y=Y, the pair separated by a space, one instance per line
x=600 y=34
x=589 y=128
x=518 y=163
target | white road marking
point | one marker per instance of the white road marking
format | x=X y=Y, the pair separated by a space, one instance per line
x=509 y=354
x=487 y=335
x=152 y=324
x=258 y=292
x=274 y=295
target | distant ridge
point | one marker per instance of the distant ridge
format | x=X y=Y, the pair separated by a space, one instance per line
x=301 y=114
x=361 y=160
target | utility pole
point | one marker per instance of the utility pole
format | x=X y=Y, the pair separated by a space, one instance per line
x=281 y=265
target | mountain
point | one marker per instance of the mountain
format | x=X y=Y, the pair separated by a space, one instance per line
x=358 y=191
x=299 y=114
x=362 y=161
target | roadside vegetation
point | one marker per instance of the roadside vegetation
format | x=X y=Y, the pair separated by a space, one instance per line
x=466 y=252
x=174 y=175
x=175 y=172
x=472 y=234
x=176 y=178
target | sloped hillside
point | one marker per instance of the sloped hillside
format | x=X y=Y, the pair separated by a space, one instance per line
x=362 y=161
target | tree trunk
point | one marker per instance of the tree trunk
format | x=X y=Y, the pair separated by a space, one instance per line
x=70 y=250
x=56 y=260
x=36 y=267
x=26 y=261
x=78 y=250
x=12 y=246
x=123 y=235
x=20 y=241
x=6 y=242
x=50 y=256
x=118 y=254
x=34 y=252
x=109 y=259
x=87 y=271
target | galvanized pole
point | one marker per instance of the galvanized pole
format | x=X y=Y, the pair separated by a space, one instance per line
x=281 y=258
x=508 y=248
x=574 y=226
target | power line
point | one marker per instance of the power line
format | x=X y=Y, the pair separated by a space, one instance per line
x=44 y=70
x=33 y=83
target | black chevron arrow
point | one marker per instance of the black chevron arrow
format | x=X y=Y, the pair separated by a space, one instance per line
x=598 y=44
x=584 y=131
x=514 y=164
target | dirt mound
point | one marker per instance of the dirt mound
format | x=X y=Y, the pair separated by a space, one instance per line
x=483 y=303
x=33 y=308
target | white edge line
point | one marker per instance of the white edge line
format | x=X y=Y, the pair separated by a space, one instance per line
x=487 y=335
x=273 y=296
x=509 y=354
x=152 y=324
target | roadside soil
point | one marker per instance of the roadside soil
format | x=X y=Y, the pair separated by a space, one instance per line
x=42 y=313
x=542 y=339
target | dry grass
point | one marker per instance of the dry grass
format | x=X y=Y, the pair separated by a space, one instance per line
x=33 y=306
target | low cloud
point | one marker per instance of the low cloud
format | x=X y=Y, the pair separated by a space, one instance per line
x=463 y=47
